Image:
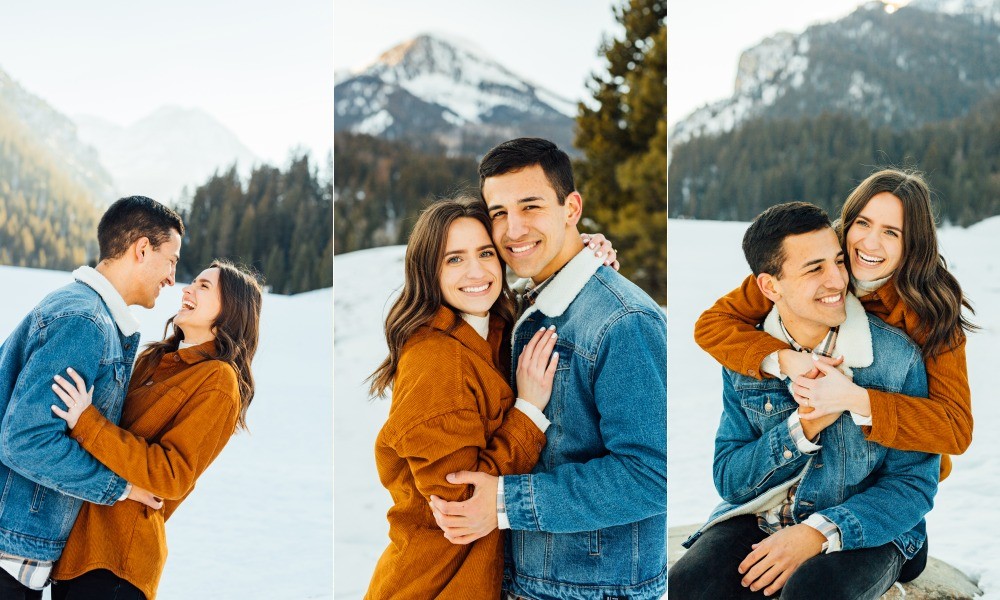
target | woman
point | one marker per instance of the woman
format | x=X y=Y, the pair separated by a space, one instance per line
x=187 y=396
x=887 y=229
x=449 y=342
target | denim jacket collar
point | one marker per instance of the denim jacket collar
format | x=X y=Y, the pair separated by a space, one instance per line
x=564 y=287
x=854 y=341
x=126 y=321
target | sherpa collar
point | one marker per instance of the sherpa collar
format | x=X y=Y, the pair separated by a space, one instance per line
x=127 y=323
x=564 y=287
x=854 y=340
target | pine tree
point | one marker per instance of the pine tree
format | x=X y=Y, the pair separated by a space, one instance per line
x=624 y=139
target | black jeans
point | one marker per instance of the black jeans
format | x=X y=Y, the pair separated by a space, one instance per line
x=12 y=589
x=99 y=584
x=708 y=570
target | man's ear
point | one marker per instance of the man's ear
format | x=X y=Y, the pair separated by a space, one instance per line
x=141 y=249
x=574 y=208
x=769 y=286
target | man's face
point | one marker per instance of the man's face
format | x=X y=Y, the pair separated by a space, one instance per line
x=810 y=292
x=157 y=269
x=529 y=224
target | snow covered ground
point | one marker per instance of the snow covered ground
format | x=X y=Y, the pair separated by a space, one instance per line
x=366 y=281
x=965 y=502
x=258 y=524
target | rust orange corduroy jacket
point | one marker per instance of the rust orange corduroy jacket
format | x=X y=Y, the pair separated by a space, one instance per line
x=451 y=411
x=941 y=423
x=174 y=423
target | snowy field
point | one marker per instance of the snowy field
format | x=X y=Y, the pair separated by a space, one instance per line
x=258 y=524
x=966 y=501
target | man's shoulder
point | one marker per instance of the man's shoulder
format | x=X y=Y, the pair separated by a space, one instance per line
x=886 y=338
x=73 y=299
x=611 y=292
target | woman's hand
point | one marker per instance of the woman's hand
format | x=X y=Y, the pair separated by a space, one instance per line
x=536 y=366
x=602 y=247
x=137 y=494
x=794 y=363
x=76 y=397
x=829 y=392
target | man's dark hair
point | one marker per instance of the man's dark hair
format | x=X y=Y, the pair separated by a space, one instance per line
x=514 y=155
x=763 y=240
x=134 y=217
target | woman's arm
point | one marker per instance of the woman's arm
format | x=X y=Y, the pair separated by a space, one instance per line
x=940 y=423
x=728 y=330
x=169 y=467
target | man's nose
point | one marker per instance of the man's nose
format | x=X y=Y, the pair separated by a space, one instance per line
x=516 y=226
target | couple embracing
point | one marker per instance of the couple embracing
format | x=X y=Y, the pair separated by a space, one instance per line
x=525 y=448
x=839 y=409
x=94 y=455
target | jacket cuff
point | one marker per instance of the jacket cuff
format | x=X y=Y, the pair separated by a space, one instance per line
x=755 y=356
x=519 y=503
x=526 y=431
x=88 y=426
x=883 y=429
x=847 y=524
x=531 y=411
x=804 y=445
x=502 y=521
x=829 y=530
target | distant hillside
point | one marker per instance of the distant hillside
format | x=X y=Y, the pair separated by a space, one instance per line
x=48 y=218
x=160 y=154
x=448 y=93
x=380 y=186
x=929 y=61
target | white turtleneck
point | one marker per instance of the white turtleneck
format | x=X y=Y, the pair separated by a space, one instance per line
x=866 y=287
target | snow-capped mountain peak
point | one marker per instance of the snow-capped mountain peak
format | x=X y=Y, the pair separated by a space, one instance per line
x=436 y=84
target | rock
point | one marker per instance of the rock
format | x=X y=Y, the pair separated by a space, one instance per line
x=939 y=581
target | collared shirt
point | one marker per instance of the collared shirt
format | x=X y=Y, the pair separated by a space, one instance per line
x=781 y=516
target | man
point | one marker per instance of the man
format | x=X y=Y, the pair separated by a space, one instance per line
x=589 y=521
x=85 y=325
x=809 y=507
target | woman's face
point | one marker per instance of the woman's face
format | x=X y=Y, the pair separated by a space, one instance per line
x=875 y=239
x=200 y=304
x=470 y=273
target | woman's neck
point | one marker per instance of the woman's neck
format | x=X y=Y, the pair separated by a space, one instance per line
x=866 y=287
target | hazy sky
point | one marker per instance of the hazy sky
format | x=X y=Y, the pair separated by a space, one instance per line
x=262 y=68
x=707 y=37
x=553 y=43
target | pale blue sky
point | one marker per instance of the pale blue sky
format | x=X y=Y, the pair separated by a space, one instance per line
x=707 y=37
x=262 y=68
x=550 y=42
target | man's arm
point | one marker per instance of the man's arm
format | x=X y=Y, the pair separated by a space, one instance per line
x=33 y=441
x=629 y=483
x=746 y=464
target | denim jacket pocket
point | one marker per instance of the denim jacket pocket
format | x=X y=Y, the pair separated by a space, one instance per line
x=766 y=408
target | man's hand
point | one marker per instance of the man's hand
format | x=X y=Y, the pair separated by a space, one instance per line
x=812 y=427
x=137 y=494
x=467 y=521
x=773 y=560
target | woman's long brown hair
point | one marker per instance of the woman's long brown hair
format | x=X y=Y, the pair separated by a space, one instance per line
x=421 y=296
x=236 y=332
x=922 y=278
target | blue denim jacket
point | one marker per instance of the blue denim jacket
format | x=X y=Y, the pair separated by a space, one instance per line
x=874 y=494
x=589 y=522
x=44 y=473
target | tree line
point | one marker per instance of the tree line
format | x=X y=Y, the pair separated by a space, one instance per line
x=46 y=220
x=279 y=222
x=736 y=175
